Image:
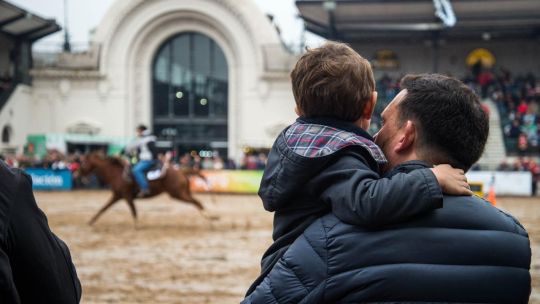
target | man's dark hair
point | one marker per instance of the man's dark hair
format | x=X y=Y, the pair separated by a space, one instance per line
x=453 y=126
x=141 y=128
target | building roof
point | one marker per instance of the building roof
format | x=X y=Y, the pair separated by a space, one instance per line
x=357 y=20
x=18 y=23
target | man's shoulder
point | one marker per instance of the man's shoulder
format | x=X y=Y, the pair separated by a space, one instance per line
x=472 y=212
x=458 y=212
x=327 y=227
x=12 y=180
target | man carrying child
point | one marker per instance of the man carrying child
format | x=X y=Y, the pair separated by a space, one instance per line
x=342 y=234
x=327 y=162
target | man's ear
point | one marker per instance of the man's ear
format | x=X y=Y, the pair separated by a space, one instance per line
x=370 y=106
x=408 y=137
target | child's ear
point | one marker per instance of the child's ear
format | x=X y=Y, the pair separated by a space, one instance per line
x=408 y=137
x=370 y=106
x=297 y=111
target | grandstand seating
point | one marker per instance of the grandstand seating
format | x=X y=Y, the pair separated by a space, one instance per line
x=514 y=107
x=518 y=102
x=494 y=153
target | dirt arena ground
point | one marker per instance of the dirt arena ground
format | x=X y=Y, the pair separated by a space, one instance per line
x=174 y=255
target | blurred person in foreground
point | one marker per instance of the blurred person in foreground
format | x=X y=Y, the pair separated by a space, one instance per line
x=327 y=162
x=465 y=252
x=145 y=148
x=35 y=265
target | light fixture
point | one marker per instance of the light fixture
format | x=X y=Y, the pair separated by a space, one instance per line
x=179 y=94
x=329 y=5
x=204 y=101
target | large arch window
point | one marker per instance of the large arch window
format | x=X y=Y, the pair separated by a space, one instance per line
x=190 y=93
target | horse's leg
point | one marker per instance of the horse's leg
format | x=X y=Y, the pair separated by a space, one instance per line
x=186 y=196
x=111 y=202
x=212 y=196
x=177 y=185
x=133 y=209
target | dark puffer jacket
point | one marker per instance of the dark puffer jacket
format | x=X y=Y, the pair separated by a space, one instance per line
x=319 y=165
x=35 y=265
x=466 y=252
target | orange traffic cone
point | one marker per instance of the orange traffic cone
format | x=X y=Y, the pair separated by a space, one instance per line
x=491 y=197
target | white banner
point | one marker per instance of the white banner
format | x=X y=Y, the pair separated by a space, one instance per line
x=506 y=183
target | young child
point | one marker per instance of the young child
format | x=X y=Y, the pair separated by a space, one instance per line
x=327 y=162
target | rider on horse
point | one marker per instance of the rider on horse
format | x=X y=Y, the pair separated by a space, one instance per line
x=145 y=147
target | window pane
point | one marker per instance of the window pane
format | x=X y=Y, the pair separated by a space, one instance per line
x=202 y=131
x=219 y=90
x=161 y=82
x=161 y=70
x=201 y=102
x=181 y=61
x=201 y=69
x=201 y=54
x=220 y=69
x=219 y=98
x=181 y=75
x=161 y=98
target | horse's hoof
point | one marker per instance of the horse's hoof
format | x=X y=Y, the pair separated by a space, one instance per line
x=208 y=216
x=213 y=217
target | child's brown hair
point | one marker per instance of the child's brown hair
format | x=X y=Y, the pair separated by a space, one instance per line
x=332 y=81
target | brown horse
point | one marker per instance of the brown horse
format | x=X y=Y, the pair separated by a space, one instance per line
x=112 y=171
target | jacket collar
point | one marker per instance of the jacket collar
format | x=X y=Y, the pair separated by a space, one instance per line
x=336 y=123
x=407 y=167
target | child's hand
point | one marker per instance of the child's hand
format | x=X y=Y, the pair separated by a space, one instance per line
x=452 y=181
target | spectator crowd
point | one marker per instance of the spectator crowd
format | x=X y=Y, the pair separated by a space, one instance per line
x=56 y=160
x=250 y=161
x=518 y=100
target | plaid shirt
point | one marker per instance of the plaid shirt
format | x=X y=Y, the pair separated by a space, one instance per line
x=313 y=140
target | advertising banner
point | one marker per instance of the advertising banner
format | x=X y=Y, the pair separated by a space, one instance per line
x=227 y=181
x=505 y=183
x=236 y=181
x=48 y=179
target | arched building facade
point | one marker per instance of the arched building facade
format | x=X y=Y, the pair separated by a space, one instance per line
x=208 y=74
